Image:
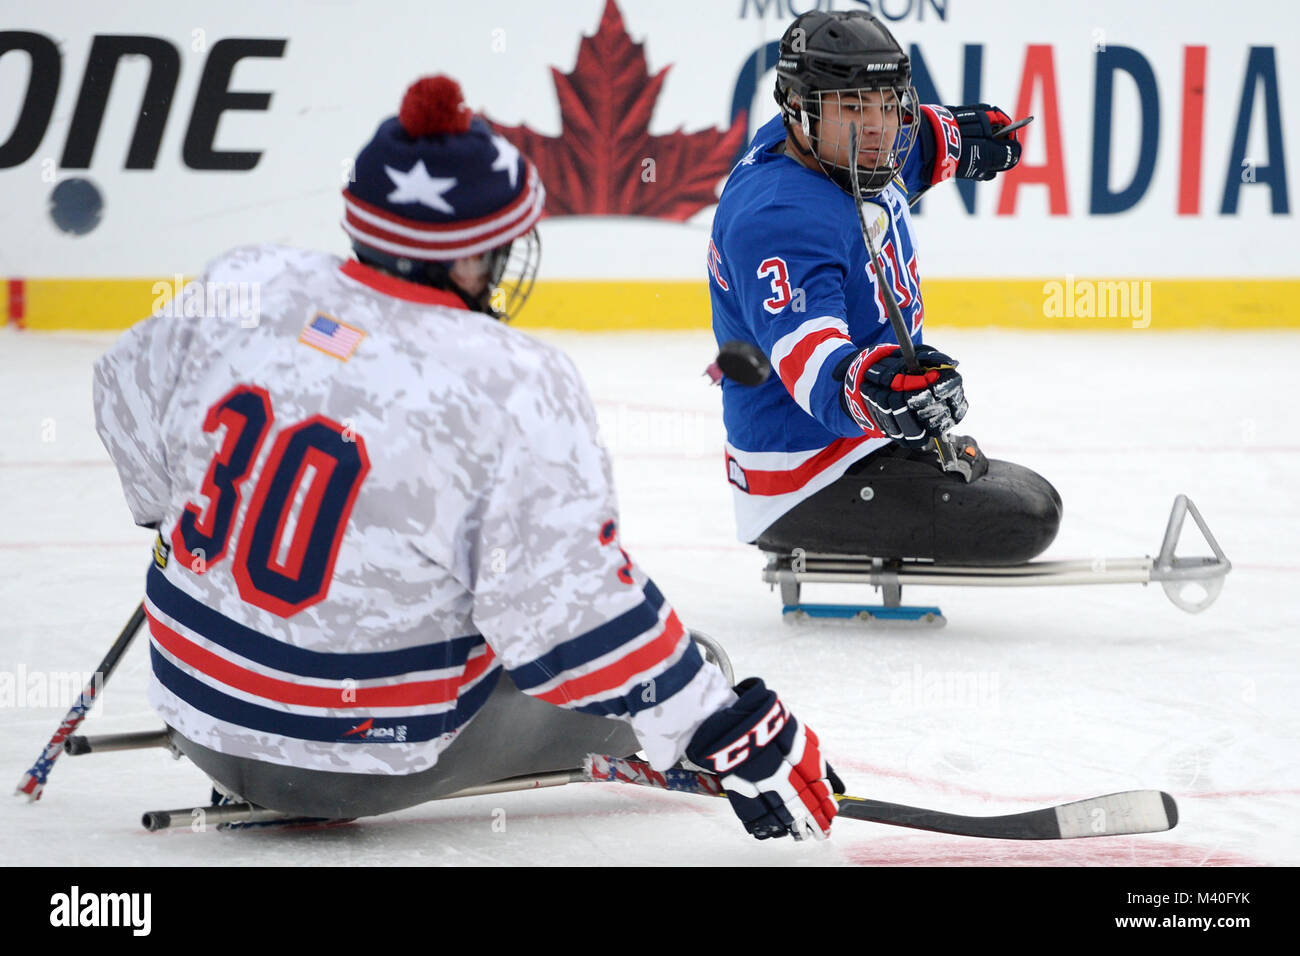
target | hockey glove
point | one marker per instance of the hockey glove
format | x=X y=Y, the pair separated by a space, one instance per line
x=880 y=393
x=982 y=156
x=771 y=766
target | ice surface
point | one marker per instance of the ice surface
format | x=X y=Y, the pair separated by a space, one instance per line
x=1028 y=697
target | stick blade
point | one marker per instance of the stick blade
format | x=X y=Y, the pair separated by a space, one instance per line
x=1116 y=814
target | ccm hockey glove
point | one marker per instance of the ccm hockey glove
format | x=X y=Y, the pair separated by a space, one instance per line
x=770 y=764
x=983 y=156
x=880 y=393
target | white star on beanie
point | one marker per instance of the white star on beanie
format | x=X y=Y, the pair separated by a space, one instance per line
x=507 y=158
x=417 y=185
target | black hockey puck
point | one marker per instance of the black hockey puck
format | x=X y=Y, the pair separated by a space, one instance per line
x=744 y=362
x=76 y=206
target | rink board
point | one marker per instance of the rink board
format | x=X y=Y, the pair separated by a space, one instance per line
x=605 y=305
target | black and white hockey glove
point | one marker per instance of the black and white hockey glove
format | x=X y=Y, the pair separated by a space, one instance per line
x=881 y=394
x=770 y=764
x=983 y=156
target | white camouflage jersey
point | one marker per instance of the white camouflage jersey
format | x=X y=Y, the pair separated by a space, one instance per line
x=374 y=501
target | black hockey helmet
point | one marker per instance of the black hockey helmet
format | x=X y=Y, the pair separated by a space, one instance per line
x=850 y=58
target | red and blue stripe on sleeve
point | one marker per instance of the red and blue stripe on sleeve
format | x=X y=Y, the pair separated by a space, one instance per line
x=631 y=663
x=805 y=359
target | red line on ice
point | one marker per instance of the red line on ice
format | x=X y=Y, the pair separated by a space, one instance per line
x=1100 y=851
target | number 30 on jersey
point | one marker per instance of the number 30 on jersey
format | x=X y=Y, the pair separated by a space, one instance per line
x=284 y=561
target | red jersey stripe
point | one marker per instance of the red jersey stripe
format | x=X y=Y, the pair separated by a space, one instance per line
x=784 y=482
x=792 y=366
x=620 y=671
x=412 y=694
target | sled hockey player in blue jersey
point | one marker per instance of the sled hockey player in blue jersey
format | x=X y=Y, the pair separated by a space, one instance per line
x=835 y=452
x=388 y=565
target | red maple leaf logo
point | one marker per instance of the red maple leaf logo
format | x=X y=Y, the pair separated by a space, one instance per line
x=598 y=165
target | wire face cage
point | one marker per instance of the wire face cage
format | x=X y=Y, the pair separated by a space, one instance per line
x=887 y=120
x=512 y=272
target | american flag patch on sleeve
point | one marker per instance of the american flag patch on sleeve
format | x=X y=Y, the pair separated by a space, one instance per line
x=331 y=336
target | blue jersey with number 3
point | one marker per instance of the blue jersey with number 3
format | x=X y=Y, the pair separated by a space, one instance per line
x=790 y=273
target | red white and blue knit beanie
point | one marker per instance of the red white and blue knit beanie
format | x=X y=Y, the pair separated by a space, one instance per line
x=436 y=183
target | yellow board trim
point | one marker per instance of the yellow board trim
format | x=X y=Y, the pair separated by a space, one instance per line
x=641 y=304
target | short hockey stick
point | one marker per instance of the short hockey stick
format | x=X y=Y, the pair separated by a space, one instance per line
x=891 y=304
x=1002 y=131
x=33 y=782
x=240 y=814
x=948 y=455
x=1116 y=814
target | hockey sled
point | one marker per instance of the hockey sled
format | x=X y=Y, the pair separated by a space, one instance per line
x=1116 y=814
x=1176 y=574
x=1137 y=811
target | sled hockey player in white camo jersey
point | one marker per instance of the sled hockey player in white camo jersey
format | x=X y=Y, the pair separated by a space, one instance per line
x=383 y=514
